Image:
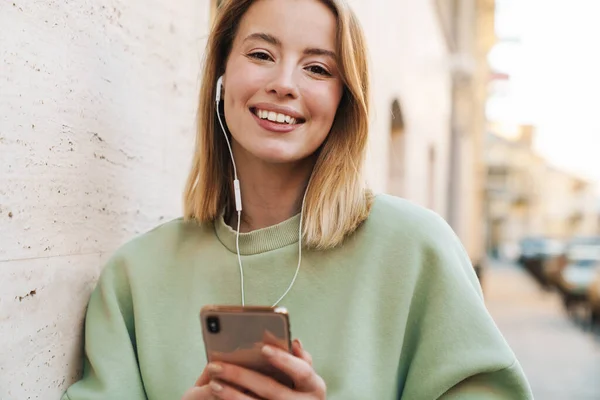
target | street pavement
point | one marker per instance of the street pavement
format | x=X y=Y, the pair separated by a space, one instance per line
x=561 y=358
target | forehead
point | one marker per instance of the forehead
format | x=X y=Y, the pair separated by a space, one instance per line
x=306 y=23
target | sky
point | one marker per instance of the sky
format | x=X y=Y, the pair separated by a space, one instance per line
x=553 y=59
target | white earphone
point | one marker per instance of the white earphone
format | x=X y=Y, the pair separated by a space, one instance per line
x=238 y=207
x=236 y=182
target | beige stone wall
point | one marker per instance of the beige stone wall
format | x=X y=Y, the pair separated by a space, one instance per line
x=97 y=103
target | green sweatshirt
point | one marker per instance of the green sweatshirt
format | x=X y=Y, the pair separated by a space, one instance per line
x=396 y=312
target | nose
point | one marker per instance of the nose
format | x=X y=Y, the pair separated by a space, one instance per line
x=283 y=83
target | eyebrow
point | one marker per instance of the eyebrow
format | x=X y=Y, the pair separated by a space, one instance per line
x=313 y=51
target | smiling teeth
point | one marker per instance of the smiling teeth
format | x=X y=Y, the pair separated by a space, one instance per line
x=275 y=117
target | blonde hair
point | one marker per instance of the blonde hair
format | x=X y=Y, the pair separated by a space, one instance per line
x=337 y=200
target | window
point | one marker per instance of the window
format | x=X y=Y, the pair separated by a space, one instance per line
x=397 y=152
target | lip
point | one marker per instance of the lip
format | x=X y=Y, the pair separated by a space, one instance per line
x=279 y=109
x=274 y=126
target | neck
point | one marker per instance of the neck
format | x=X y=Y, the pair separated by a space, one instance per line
x=270 y=194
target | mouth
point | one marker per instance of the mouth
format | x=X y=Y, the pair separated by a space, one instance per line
x=275 y=117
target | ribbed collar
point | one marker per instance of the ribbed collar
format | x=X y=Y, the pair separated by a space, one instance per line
x=260 y=240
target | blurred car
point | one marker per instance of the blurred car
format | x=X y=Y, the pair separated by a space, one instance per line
x=538 y=254
x=594 y=299
x=553 y=267
x=582 y=267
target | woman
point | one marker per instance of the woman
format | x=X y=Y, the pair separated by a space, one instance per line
x=380 y=290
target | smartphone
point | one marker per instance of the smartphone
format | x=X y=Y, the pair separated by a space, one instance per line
x=236 y=335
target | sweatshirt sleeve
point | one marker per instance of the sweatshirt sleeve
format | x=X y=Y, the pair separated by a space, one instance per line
x=504 y=384
x=453 y=349
x=110 y=367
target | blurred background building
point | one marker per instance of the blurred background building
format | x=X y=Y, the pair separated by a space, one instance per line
x=542 y=176
x=527 y=197
x=95 y=143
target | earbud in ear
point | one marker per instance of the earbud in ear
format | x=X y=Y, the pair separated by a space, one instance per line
x=219 y=88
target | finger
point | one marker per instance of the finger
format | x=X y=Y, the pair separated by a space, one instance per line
x=204 y=378
x=303 y=375
x=299 y=351
x=223 y=391
x=297 y=348
x=198 y=393
x=259 y=384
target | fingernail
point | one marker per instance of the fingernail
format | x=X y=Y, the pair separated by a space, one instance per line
x=268 y=351
x=296 y=345
x=300 y=343
x=214 y=369
x=215 y=386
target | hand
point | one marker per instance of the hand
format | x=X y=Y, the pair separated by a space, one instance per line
x=228 y=381
x=222 y=378
x=201 y=389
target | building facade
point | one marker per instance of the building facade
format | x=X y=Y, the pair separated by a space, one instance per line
x=468 y=27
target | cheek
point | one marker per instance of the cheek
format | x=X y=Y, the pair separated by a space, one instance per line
x=243 y=81
x=324 y=104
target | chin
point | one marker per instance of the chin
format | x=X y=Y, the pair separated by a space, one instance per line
x=280 y=156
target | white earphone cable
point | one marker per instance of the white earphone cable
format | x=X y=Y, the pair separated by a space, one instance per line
x=228 y=144
x=299 y=251
x=238 y=202
x=237 y=247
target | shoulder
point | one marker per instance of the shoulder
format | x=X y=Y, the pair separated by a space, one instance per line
x=400 y=218
x=417 y=237
x=169 y=235
x=159 y=244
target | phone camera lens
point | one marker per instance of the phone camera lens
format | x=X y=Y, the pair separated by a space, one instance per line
x=213 y=324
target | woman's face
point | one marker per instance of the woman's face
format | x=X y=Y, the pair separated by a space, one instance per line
x=282 y=87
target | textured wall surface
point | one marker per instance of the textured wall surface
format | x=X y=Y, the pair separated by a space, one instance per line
x=97 y=115
x=97 y=104
x=409 y=63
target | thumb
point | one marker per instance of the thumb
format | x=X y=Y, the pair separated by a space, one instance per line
x=203 y=379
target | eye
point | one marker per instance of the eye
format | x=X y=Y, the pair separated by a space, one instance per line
x=260 y=55
x=317 y=69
